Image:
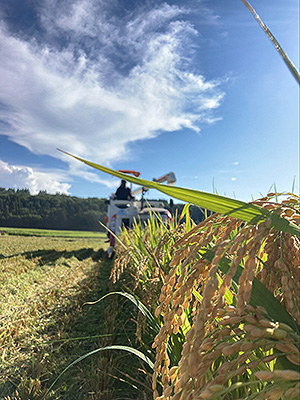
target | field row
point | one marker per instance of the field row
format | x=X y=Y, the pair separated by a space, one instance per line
x=50 y=232
x=44 y=283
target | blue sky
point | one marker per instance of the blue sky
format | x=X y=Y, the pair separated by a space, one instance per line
x=194 y=87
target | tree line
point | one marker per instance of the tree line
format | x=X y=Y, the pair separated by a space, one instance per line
x=20 y=209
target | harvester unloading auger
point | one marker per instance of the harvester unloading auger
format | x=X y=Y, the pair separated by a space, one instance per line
x=123 y=213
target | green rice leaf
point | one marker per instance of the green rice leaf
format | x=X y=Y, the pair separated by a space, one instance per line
x=228 y=295
x=260 y=295
x=197 y=295
x=224 y=205
x=186 y=213
x=137 y=303
x=113 y=347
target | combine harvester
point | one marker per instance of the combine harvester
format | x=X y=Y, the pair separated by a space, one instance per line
x=123 y=213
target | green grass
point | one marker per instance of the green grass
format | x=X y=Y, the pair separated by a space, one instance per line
x=50 y=232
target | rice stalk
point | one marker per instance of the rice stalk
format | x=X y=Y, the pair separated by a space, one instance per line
x=274 y=41
x=228 y=342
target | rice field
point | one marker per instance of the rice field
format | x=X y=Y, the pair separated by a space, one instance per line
x=211 y=311
x=50 y=232
x=44 y=282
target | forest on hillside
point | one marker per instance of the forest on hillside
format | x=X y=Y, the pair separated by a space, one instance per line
x=19 y=209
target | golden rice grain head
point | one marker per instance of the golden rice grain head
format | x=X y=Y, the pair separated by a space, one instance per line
x=270 y=206
x=287 y=347
x=248 y=346
x=235 y=320
x=253 y=364
x=247 y=293
x=190 y=335
x=158 y=310
x=231 y=349
x=183 y=380
x=292 y=393
x=238 y=372
x=205 y=348
x=175 y=329
x=167 y=392
x=264 y=375
x=266 y=323
x=177 y=396
x=205 y=394
x=179 y=310
x=223 y=332
x=173 y=371
x=162 y=295
x=288 y=212
x=168 y=291
x=193 y=370
x=269 y=358
x=242 y=251
x=223 y=369
x=154 y=384
x=221 y=312
x=233 y=248
x=287 y=374
x=240 y=304
x=294 y=358
x=249 y=328
x=186 y=304
x=274 y=394
x=250 y=319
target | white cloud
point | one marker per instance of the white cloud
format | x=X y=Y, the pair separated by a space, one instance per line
x=100 y=83
x=19 y=176
x=53 y=181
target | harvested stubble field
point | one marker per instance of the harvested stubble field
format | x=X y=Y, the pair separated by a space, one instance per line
x=44 y=326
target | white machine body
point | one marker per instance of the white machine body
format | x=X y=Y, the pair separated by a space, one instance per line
x=123 y=213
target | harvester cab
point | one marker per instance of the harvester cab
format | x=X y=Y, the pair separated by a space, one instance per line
x=123 y=213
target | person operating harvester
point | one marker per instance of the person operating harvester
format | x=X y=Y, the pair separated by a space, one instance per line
x=123 y=192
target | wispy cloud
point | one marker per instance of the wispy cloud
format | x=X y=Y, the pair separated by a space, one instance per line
x=95 y=81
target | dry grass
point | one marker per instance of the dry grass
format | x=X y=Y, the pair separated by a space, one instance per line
x=44 y=282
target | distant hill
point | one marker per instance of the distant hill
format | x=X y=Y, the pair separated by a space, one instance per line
x=19 y=209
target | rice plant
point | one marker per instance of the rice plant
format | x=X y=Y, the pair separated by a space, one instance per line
x=145 y=253
x=237 y=273
x=242 y=284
